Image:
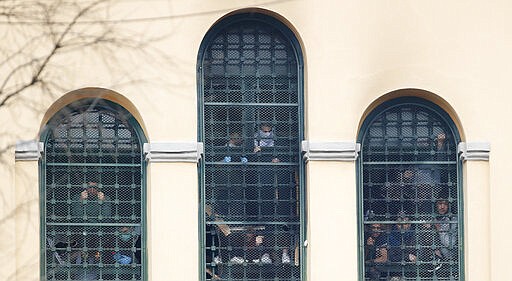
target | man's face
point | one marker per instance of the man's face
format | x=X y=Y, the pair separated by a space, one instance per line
x=124 y=229
x=92 y=191
x=442 y=207
x=408 y=176
x=376 y=229
x=404 y=226
x=236 y=141
x=92 y=188
x=266 y=129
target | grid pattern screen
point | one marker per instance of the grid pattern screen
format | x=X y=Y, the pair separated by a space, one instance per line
x=93 y=205
x=410 y=196
x=250 y=122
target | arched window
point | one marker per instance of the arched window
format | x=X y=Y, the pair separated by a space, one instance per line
x=93 y=194
x=250 y=116
x=410 y=193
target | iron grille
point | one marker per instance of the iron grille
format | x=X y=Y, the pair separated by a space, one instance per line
x=93 y=195
x=410 y=196
x=250 y=123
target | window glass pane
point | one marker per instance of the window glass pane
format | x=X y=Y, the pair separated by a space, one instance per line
x=94 y=209
x=410 y=196
x=252 y=158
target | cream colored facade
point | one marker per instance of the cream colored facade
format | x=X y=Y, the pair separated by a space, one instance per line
x=357 y=54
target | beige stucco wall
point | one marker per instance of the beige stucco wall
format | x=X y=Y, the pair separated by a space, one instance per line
x=355 y=52
x=27 y=221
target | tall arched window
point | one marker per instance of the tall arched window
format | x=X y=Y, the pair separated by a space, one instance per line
x=410 y=198
x=93 y=194
x=250 y=116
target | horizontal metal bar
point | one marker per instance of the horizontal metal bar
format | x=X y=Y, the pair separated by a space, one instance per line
x=251 y=104
x=251 y=223
x=104 y=186
x=253 y=164
x=411 y=222
x=273 y=75
x=115 y=202
x=410 y=163
x=92 y=224
x=92 y=165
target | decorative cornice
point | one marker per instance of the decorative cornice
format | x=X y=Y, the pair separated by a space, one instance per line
x=29 y=150
x=473 y=151
x=330 y=151
x=173 y=151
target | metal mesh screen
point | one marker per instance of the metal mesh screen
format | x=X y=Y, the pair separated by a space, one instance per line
x=93 y=207
x=250 y=119
x=410 y=196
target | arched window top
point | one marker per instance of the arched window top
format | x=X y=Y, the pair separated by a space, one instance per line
x=258 y=37
x=410 y=195
x=93 y=180
x=407 y=126
x=251 y=124
x=249 y=61
x=98 y=128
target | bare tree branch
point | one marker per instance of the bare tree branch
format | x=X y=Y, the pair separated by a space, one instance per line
x=44 y=63
x=32 y=55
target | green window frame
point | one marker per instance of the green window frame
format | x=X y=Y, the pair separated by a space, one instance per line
x=250 y=76
x=410 y=193
x=93 y=194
